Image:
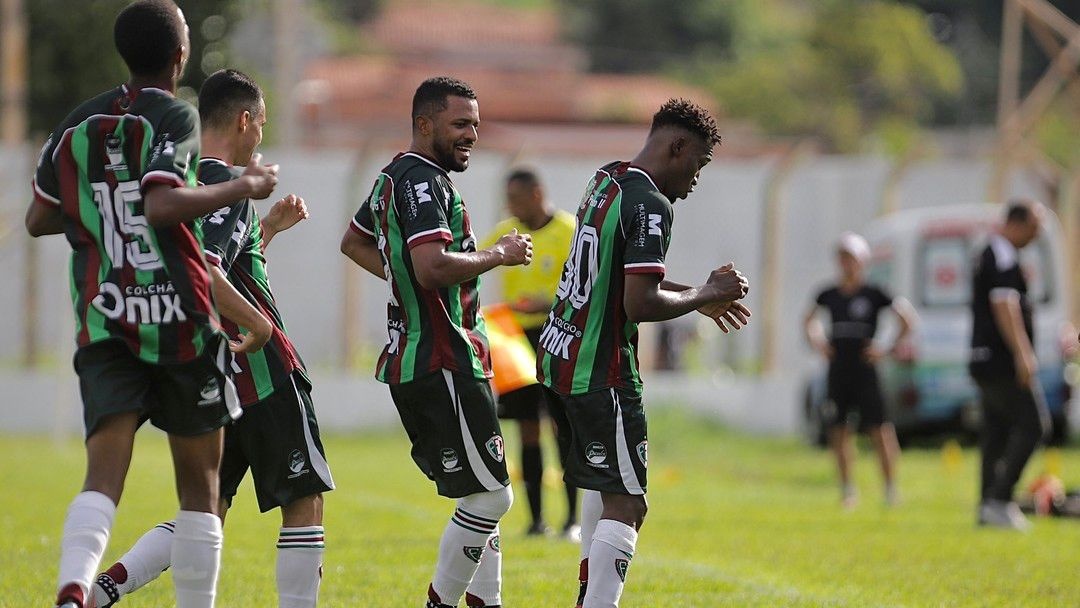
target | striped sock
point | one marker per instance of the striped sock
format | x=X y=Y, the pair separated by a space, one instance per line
x=460 y=550
x=299 y=566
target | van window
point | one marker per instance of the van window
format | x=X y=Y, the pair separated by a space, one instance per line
x=945 y=266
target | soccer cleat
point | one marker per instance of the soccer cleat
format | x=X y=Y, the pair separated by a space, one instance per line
x=434 y=601
x=71 y=596
x=572 y=533
x=538 y=529
x=105 y=591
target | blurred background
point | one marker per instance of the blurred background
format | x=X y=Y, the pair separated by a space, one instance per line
x=905 y=120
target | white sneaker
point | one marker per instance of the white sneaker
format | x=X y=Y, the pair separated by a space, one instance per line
x=1002 y=514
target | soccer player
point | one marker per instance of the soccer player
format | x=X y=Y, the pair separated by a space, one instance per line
x=528 y=291
x=278 y=436
x=1003 y=365
x=613 y=279
x=414 y=231
x=854 y=307
x=116 y=178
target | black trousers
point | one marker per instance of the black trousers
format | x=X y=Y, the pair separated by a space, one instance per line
x=1015 y=421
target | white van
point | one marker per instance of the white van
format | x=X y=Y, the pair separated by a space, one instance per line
x=926 y=256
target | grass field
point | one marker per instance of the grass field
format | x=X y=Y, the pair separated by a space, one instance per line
x=734 y=521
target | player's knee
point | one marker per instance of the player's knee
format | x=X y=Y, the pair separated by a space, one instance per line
x=492 y=505
x=305 y=511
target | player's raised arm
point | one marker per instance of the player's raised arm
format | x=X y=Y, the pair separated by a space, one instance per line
x=436 y=267
x=285 y=214
x=166 y=205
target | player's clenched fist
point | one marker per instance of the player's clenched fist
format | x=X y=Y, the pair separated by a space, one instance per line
x=515 y=249
x=260 y=178
x=728 y=283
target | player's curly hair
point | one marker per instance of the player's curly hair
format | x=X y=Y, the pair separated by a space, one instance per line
x=147 y=33
x=430 y=97
x=677 y=112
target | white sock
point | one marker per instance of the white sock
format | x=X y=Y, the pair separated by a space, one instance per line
x=609 y=559
x=299 y=566
x=486 y=586
x=196 y=558
x=463 y=542
x=142 y=564
x=86 y=533
x=592 y=506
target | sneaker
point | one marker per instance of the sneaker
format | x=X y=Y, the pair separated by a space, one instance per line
x=892 y=496
x=849 y=497
x=572 y=533
x=1002 y=514
x=538 y=528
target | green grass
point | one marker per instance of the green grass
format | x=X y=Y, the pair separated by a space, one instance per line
x=734 y=521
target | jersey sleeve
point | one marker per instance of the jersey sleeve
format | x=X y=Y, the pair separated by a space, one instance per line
x=822 y=298
x=175 y=150
x=45 y=183
x=423 y=204
x=882 y=297
x=363 y=223
x=647 y=226
x=1000 y=282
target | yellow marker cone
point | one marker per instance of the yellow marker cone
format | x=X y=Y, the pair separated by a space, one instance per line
x=952 y=456
x=1052 y=462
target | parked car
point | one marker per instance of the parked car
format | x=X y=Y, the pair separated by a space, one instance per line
x=926 y=256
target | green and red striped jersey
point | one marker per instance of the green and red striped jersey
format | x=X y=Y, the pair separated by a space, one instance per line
x=232 y=237
x=130 y=281
x=413 y=202
x=623 y=227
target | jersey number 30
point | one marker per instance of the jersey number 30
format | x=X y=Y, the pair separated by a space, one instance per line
x=126 y=234
x=581 y=267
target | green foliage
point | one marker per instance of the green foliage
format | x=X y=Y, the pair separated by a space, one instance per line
x=72 y=56
x=734 y=520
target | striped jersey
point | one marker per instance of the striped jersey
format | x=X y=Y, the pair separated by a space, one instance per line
x=232 y=237
x=130 y=281
x=414 y=202
x=623 y=227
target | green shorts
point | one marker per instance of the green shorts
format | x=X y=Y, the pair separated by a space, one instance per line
x=184 y=399
x=603 y=440
x=278 y=439
x=456 y=439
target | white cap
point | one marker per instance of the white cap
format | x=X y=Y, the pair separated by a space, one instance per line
x=855 y=245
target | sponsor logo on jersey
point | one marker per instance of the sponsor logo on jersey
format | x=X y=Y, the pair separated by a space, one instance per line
x=859 y=308
x=495 y=447
x=210 y=393
x=621 y=566
x=596 y=454
x=449 y=460
x=473 y=553
x=115 y=153
x=654 y=225
x=297 y=462
x=643 y=452
x=140 y=304
x=557 y=336
x=642 y=225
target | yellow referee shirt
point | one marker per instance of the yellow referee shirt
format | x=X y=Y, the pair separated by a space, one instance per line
x=551 y=245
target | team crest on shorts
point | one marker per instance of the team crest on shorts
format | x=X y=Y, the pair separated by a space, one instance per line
x=449 y=460
x=210 y=393
x=596 y=454
x=297 y=462
x=621 y=565
x=495 y=447
x=493 y=543
x=473 y=553
x=643 y=452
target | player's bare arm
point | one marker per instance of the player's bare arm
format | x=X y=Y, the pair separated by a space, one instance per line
x=815 y=333
x=436 y=267
x=1010 y=322
x=363 y=250
x=726 y=315
x=645 y=300
x=166 y=205
x=234 y=307
x=43 y=219
x=285 y=214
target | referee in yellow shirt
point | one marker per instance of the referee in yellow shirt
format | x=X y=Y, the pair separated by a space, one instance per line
x=528 y=291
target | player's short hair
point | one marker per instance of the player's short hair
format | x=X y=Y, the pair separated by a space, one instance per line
x=430 y=97
x=1019 y=211
x=686 y=114
x=525 y=175
x=147 y=33
x=225 y=94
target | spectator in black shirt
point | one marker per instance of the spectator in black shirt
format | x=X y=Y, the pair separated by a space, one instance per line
x=1003 y=364
x=853 y=306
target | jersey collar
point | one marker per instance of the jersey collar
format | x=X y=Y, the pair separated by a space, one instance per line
x=425 y=159
x=645 y=173
x=211 y=159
